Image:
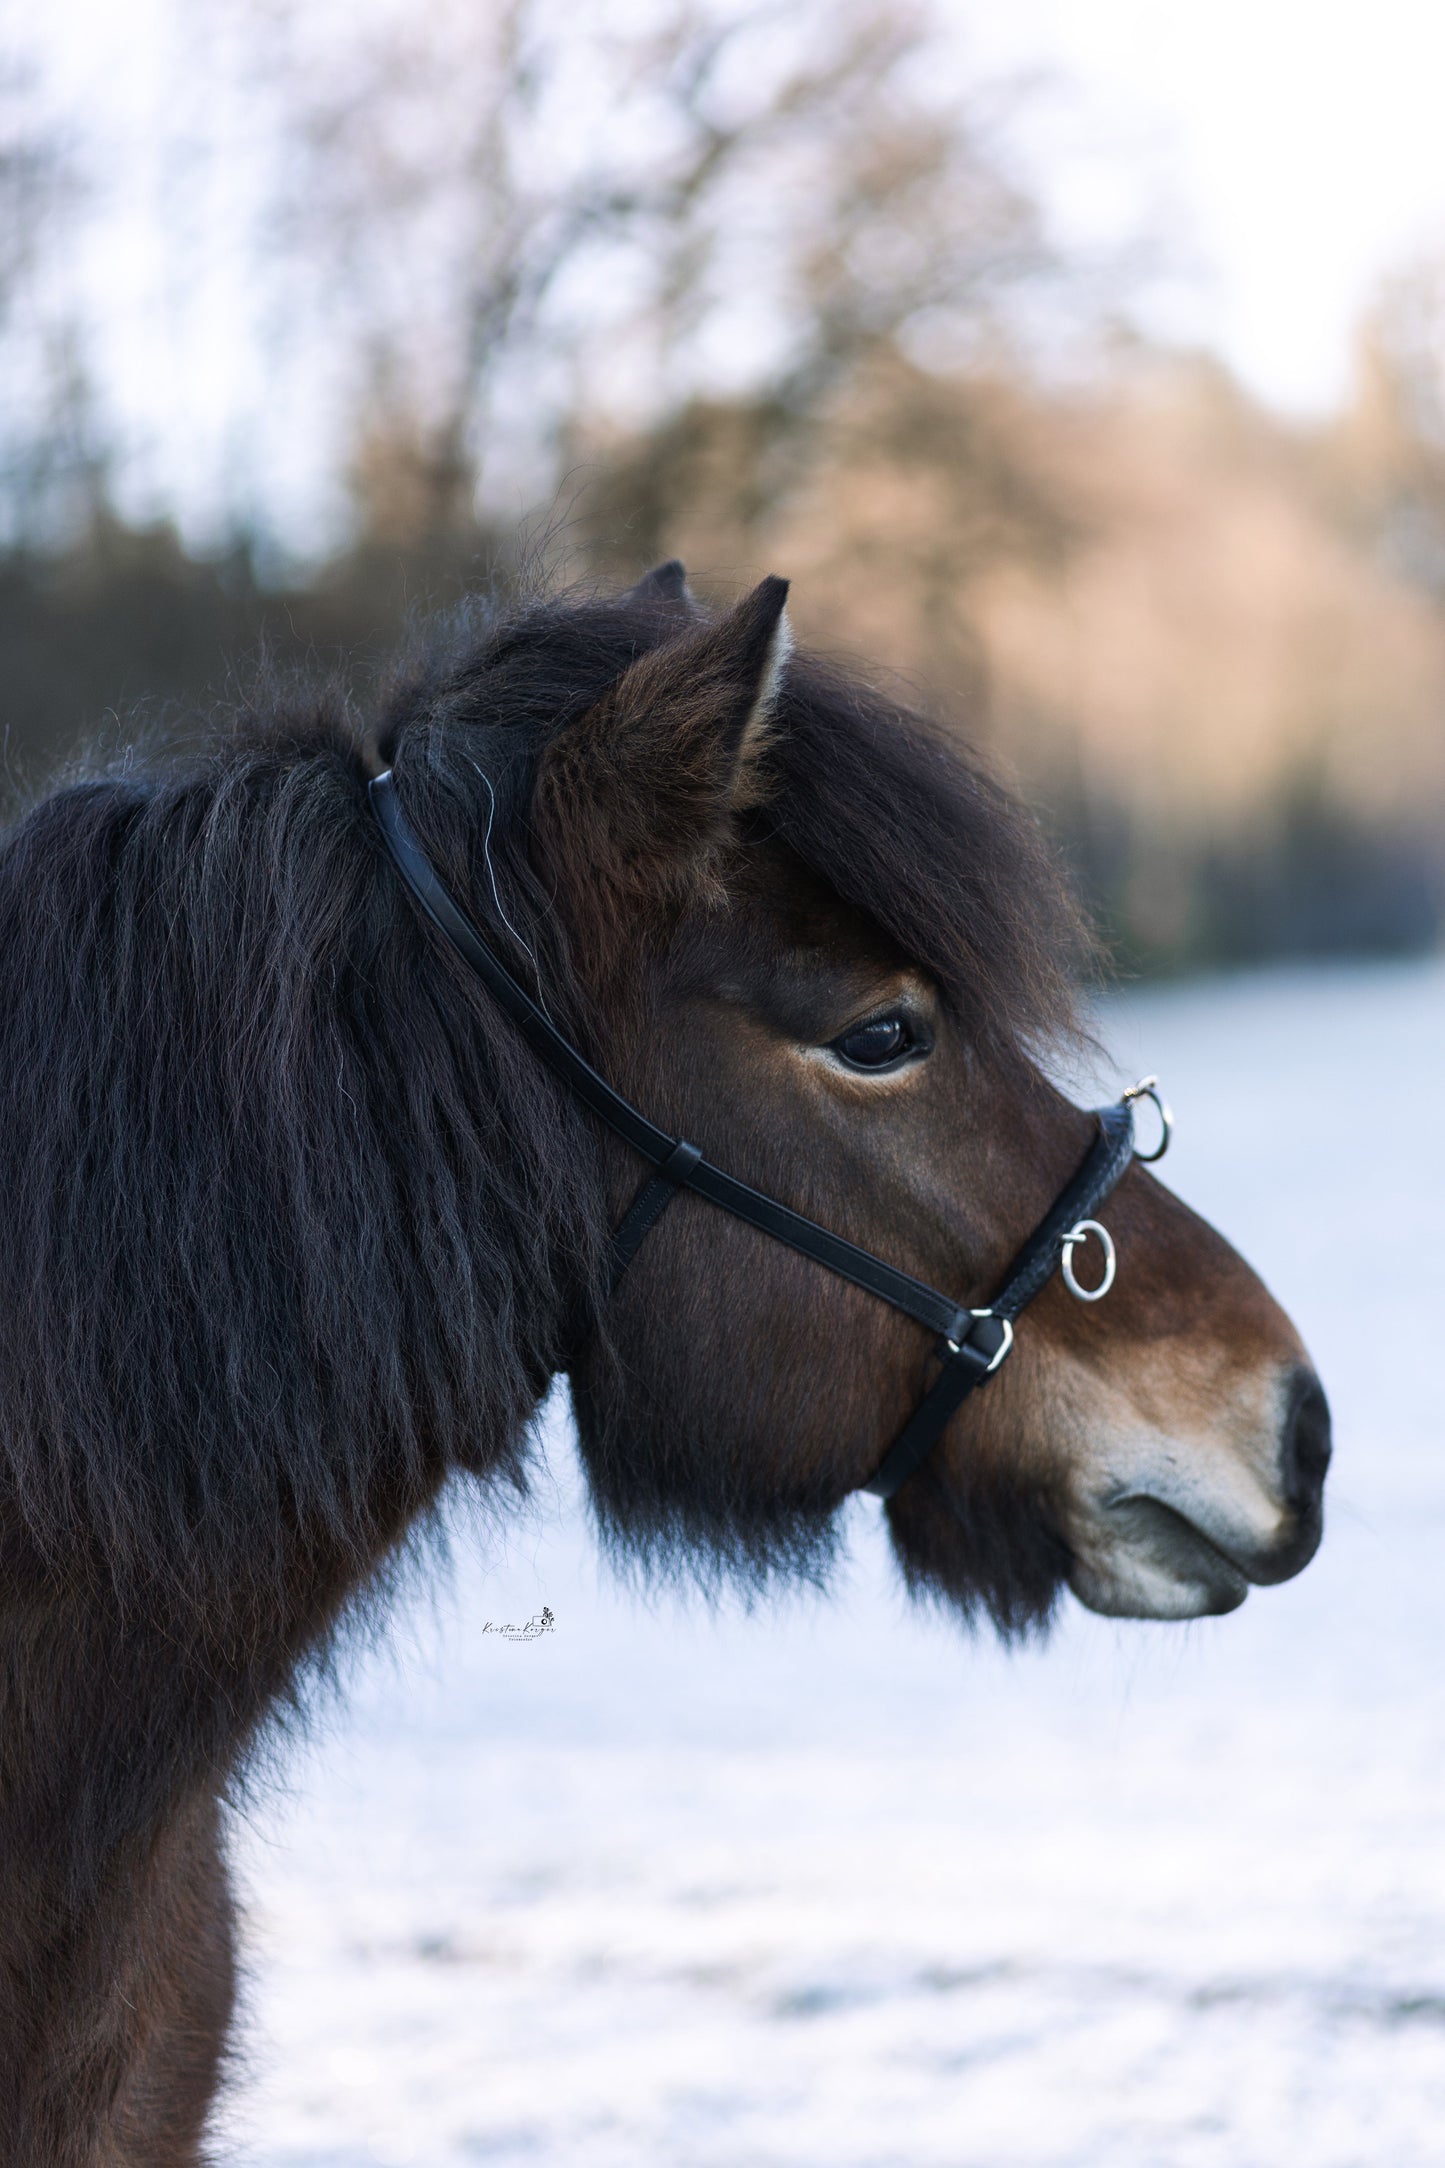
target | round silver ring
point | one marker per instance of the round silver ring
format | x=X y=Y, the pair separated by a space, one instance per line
x=1080 y=1232
x=1148 y=1088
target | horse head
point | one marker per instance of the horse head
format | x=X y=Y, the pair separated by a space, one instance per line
x=814 y=938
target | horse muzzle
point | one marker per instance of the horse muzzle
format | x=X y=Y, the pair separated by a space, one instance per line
x=1182 y=1528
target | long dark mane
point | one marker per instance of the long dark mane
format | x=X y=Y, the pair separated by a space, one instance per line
x=277 y=1178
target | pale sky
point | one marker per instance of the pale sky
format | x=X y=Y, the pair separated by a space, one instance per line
x=1303 y=142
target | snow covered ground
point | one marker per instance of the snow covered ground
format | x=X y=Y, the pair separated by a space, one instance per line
x=831 y=1884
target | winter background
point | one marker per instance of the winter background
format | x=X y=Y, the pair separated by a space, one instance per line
x=831 y=1884
x=312 y=312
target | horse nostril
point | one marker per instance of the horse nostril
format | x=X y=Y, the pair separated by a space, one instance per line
x=1305 y=1445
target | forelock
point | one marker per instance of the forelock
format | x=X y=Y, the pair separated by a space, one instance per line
x=905 y=822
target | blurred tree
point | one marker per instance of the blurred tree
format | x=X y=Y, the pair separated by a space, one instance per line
x=1392 y=441
x=539 y=230
x=886 y=504
x=52 y=461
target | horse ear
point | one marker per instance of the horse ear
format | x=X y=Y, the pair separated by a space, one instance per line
x=664 y=583
x=642 y=790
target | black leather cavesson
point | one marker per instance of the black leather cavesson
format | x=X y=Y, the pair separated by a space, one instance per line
x=970 y=1343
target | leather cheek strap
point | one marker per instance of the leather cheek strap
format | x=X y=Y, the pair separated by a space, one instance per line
x=651 y=1201
x=965 y=1368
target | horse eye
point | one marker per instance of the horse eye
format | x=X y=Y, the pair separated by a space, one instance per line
x=877 y=1045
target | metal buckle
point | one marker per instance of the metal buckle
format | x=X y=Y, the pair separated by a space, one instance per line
x=1080 y=1232
x=1004 y=1346
x=1148 y=1088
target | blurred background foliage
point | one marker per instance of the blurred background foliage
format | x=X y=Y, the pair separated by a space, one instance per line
x=764 y=287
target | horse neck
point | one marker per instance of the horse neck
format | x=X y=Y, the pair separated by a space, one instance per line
x=292 y=1230
x=292 y=1227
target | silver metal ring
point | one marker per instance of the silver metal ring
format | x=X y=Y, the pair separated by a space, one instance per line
x=1080 y=1232
x=1148 y=1088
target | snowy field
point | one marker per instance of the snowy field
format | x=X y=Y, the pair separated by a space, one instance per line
x=833 y=1887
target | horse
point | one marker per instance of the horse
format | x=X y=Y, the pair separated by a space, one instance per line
x=299 y=1223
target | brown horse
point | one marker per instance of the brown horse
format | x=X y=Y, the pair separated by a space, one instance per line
x=297 y=1223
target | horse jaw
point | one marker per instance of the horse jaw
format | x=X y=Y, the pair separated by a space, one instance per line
x=1180 y=1522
